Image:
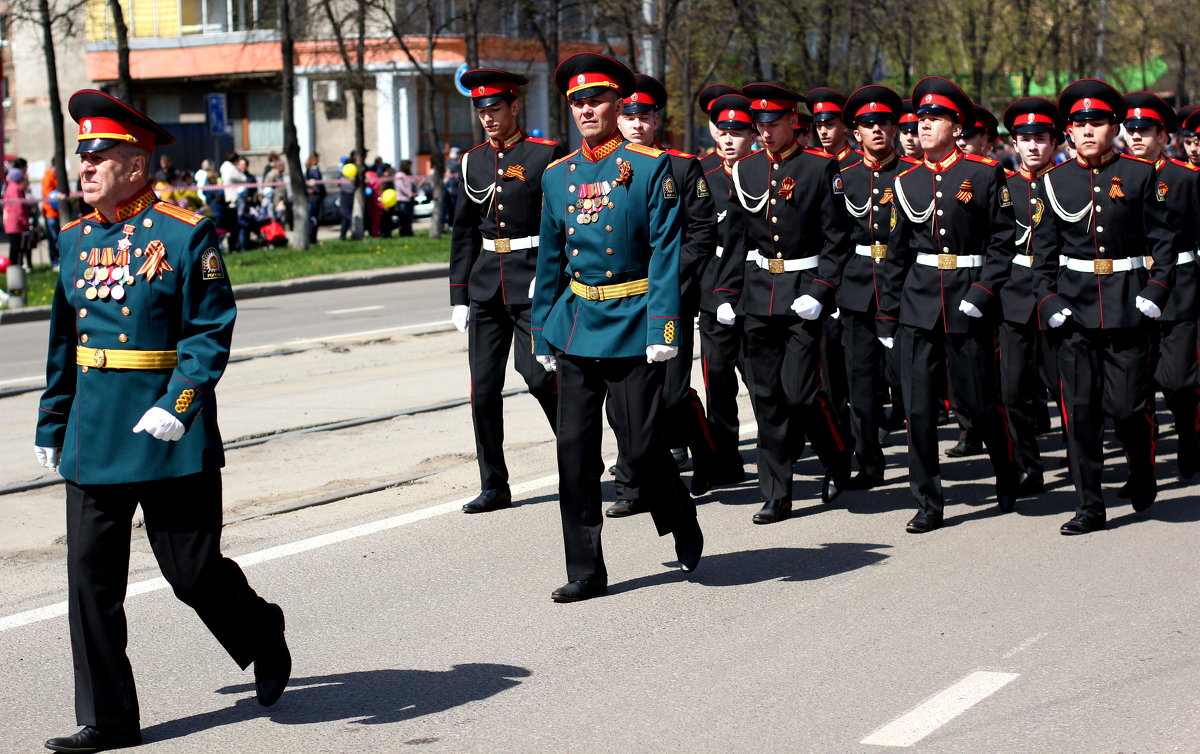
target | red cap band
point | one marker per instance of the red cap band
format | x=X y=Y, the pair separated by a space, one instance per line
x=488 y=91
x=826 y=107
x=586 y=80
x=106 y=128
x=909 y=118
x=772 y=104
x=738 y=115
x=1091 y=103
x=940 y=101
x=1029 y=119
x=641 y=98
x=876 y=107
x=1142 y=112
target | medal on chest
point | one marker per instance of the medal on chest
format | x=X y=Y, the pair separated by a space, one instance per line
x=107 y=272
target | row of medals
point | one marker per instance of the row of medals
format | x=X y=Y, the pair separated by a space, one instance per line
x=593 y=197
x=108 y=272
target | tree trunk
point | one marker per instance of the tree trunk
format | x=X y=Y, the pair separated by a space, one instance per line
x=291 y=141
x=360 y=137
x=66 y=211
x=437 y=161
x=124 y=78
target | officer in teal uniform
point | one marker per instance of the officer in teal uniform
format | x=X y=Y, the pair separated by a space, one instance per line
x=606 y=315
x=140 y=330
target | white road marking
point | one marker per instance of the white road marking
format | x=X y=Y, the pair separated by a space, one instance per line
x=19 y=380
x=356 y=309
x=1024 y=645
x=39 y=614
x=940 y=709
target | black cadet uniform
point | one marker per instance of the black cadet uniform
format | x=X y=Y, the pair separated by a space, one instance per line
x=1102 y=218
x=1025 y=358
x=795 y=244
x=952 y=242
x=492 y=264
x=868 y=199
x=1175 y=367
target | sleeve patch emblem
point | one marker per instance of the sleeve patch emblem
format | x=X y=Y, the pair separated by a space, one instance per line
x=668 y=188
x=702 y=188
x=1005 y=197
x=211 y=267
x=1162 y=190
x=838 y=188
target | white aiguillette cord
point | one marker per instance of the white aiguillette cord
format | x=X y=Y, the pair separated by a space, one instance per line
x=902 y=198
x=479 y=197
x=746 y=199
x=1071 y=217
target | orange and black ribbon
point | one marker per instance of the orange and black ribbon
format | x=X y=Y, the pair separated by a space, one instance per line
x=1114 y=191
x=515 y=171
x=625 y=175
x=787 y=187
x=965 y=191
x=886 y=196
x=156 y=261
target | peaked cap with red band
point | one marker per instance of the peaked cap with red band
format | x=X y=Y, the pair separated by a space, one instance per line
x=1091 y=99
x=106 y=121
x=489 y=86
x=710 y=93
x=1146 y=109
x=908 y=118
x=587 y=74
x=770 y=102
x=984 y=121
x=648 y=95
x=872 y=104
x=1034 y=115
x=730 y=111
x=1184 y=115
x=826 y=104
x=938 y=96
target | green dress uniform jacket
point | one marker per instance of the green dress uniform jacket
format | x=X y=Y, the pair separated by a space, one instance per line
x=611 y=216
x=184 y=306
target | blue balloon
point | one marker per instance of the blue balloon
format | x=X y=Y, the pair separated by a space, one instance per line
x=368 y=191
x=536 y=133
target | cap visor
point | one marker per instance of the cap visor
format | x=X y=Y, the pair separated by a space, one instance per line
x=767 y=116
x=731 y=125
x=96 y=145
x=1142 y=122
x=632 y=108
x=481 y=102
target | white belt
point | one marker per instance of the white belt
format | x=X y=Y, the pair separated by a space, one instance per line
x=875 y=251
x=1023 y=260
x=950 y=261
x=1103 y=266
x=1186 y=257
x=505 y=245
x=720 y=251
x=777 y=266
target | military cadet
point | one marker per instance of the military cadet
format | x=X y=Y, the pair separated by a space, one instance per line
x=492 y=261
x=872 y=112
x=827 y=106
x=140 y=329
x=704 y=99
x=721 y=346
x=1103 y=212
x=980 y=137
x=910 y=142
x=606 y=315
x=1037 y=129
x=948 y=253
x=783 y=274
x=1149 y=123
x=1187 y=133
x=803 y=132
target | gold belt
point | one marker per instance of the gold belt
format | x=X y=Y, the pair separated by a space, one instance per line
x=124 y=359
x=605 y=292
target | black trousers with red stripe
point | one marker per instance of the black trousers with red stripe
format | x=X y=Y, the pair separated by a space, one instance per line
x=1177 y=375
x=969 y=360
x=864 y=370
x=1021 y=388
x=784 y=354
x=721 y=353
x=1105 y=373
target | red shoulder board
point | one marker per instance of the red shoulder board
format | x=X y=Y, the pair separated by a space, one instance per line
x=978 y=158
x=906 y=172
x=720 y=166
x=818 y=152
x=477 y=146
x=677 y=153
x=71 y=224
x=852 y=165
x=1009 y=173
x=1187 y=165
x=1137 y=159
x=562 y=159
x=539 y=140
x=910 y=160
x=179 y=213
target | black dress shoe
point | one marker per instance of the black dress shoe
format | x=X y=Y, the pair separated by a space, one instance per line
x=700 y=482
x=1006 y=502
x=1081 y=524
x=489 y=500
x=1188 y=455
x=1143 y=494
x=680 y=455
x=923 y=523
x=273 y=665
x=864 y=481
x=1030 y=484
x=623 y=508
x=689 y=545
x=833 y=485
x=965 y=448
x=97 y=739
x=574 y=591
x=775 y=509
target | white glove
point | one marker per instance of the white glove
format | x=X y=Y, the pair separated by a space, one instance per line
x=888 y=342
x=460 y=315
x=549 y=363
x=725 y=315
x=1057 y=320
x=659 y=352
x=48 y=457
x=836 y=313
x=969 y=309
x=807 y=307
x=532 y=285
x=160 y=425
x=1148 y=307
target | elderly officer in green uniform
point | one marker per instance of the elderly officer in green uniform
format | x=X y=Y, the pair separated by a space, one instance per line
x=606 y=315
x=140 y=329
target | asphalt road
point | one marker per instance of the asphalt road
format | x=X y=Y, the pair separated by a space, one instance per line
x=415 y=627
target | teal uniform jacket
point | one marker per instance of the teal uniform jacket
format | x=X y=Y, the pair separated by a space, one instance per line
x=635 y=235
x=90 y=411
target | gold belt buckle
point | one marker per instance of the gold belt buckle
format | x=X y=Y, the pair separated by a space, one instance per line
x=878 y=250
x=503 y=245
x=593 y=293
x=775 y=266
x=1149 y=261
x=1102 y=266
x=99 y=359
x=947 y=262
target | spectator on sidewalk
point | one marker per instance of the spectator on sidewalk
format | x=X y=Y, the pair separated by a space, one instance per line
x=50 y=199
x=17 y=215
x=316 y=194
x=406 y=193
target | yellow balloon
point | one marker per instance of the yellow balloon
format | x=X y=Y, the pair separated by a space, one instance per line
x=388 y=198
x=350 y=170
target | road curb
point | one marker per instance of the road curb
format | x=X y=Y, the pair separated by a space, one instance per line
x=425 y=271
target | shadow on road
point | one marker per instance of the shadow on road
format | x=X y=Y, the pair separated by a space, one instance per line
x=367 y=697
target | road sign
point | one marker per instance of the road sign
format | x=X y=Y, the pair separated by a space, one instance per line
x=216 y=113
x=458 y=80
